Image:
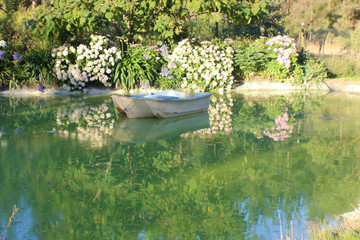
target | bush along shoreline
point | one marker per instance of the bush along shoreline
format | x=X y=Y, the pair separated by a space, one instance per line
x=190 y=64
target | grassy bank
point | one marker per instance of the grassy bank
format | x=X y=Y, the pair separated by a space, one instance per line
x=343 y=66
x=347 y=228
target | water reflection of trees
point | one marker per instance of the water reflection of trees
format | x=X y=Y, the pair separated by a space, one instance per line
x=187 y=186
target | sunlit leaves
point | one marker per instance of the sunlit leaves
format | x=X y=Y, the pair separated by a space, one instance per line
x=134 y=21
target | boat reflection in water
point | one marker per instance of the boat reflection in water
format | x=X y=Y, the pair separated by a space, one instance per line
x=152 y=129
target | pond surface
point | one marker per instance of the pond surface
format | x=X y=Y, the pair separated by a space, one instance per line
x=252 y=168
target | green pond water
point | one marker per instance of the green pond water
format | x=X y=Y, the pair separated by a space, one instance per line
x=252 y=168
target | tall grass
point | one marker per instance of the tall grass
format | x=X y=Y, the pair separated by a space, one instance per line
x=343 y=65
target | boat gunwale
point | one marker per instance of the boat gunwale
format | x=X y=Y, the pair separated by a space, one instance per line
x=178 y=99
x=174 y=99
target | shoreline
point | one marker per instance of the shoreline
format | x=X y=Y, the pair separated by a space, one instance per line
x=252 y=85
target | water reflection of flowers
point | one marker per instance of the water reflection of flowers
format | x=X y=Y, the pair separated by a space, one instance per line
x=92 y=123
x=280 y=131
x=220 y=112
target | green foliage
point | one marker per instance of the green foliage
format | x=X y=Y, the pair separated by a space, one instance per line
x=128 y=20
x=134 y=22
x=168 y=81
x=13 y=69
x=139 y=65
x=69 y=19
x=249 y=58
x=41 y=66
x=313 y=72
x=278 y=59
x=238 y=12
x=272 y=57
x=10 y=6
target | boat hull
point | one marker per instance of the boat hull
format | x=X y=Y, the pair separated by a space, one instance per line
x=132 y=107
x=169 y=109
x=166 y=104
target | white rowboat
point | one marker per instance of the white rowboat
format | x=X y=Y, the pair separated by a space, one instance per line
x=163 y=104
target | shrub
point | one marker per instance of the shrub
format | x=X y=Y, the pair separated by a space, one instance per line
x=249 y=58
x=12 y=66
x=140 y=66
x=275 y=57
x=94 y=62
x=278 y=59
x=283 y=57
x=202 y=66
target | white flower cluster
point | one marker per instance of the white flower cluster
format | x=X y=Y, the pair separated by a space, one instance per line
x=284 y=46
x=203 y=67
x=3 y=43
x=86 y=63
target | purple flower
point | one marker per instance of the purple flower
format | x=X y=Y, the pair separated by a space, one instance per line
x=17 y=56
x=41 y=88
x=146 y=56
x=145 y=85
x=2 y=53
x=165 y=72
x=164 y=51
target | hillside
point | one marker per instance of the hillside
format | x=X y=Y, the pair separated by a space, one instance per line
x=323 y=26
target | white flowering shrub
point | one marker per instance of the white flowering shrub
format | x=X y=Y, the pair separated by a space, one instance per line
x=86 y=63
x=202 y=66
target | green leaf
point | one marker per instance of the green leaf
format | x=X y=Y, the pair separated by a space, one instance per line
x=263 y=4
x=97 y=7
x=152 y=4
x=82 y=21
x=109 y=16
x=104 y=9
x=85 y=13
x=196 y=6
x=255 y=10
